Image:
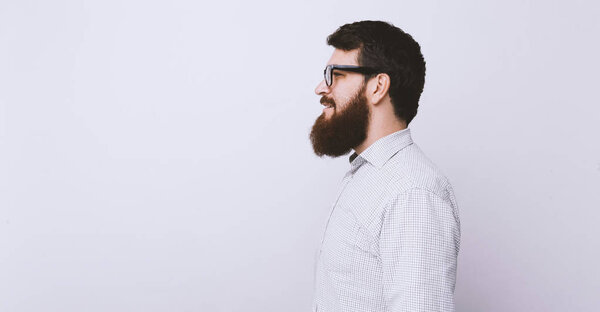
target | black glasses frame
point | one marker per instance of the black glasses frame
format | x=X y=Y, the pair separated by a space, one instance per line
x=328 y=72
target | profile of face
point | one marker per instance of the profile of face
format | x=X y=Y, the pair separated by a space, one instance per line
x=344 y=122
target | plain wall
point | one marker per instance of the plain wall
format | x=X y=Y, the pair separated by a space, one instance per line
x=154 y=155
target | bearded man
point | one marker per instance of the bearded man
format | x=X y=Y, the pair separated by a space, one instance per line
x=392 y=239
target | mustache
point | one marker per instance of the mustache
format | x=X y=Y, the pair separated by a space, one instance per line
x=326 y=100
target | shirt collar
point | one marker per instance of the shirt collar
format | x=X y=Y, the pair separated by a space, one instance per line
x=382 y=150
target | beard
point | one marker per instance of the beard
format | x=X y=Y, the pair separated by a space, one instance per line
x=345 y=129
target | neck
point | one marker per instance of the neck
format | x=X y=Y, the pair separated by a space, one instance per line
x=378 y=130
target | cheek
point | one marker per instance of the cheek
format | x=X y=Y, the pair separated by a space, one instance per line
x=342 y=96
x=341 y=103
x=339 y=100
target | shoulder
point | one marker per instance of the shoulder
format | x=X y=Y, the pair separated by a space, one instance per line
x=411 y=170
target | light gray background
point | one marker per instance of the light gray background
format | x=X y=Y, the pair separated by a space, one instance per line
x=154 y=155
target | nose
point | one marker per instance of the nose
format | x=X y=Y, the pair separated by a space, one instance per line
x=322 y=88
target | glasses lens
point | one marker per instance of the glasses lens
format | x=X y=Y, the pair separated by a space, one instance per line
x=328 y=76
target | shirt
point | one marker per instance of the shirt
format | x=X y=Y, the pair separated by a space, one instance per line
x=392 y=239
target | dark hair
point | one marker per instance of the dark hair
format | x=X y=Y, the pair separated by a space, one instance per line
x=394 y=52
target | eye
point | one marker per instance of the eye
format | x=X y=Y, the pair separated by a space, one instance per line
x=337 y=74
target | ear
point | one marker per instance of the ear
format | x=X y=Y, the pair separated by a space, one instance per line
x=378 y=87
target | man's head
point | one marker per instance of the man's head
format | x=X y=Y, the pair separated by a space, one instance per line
x=388 y=75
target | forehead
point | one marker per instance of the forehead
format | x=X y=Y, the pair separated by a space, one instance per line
x=341 y=57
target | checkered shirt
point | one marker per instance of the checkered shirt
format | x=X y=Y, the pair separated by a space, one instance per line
x=392 y=239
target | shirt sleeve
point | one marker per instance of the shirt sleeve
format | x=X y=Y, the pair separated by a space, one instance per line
x=419 y=243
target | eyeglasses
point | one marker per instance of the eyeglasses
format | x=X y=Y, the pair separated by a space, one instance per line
x=328 y=72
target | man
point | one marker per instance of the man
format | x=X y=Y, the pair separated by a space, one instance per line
x=392 y=239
